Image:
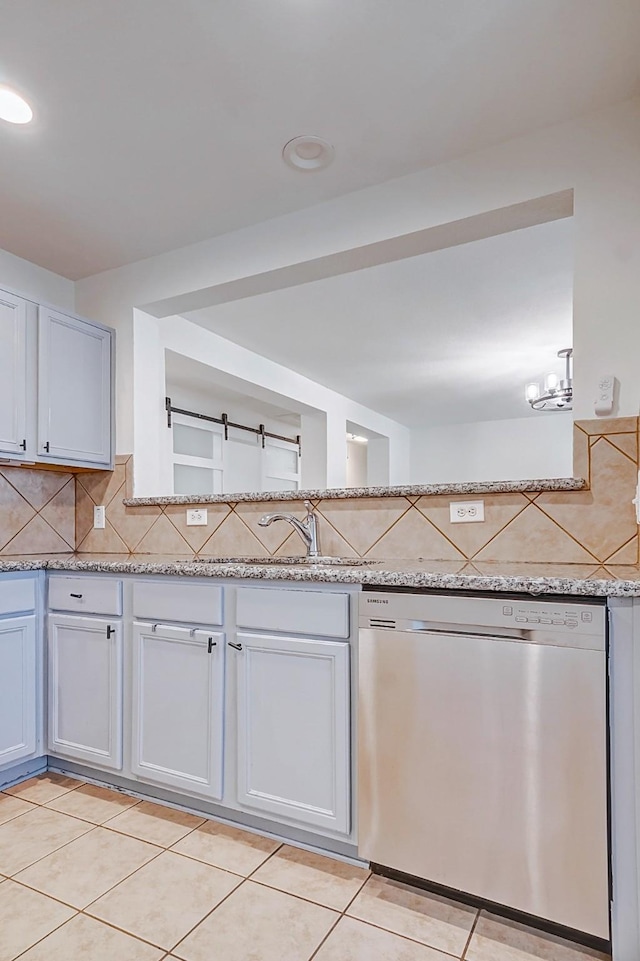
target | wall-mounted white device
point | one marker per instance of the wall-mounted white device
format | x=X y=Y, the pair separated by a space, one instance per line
x=197 y=517
x=466 y=512
x=99 y=518
x=605 y=397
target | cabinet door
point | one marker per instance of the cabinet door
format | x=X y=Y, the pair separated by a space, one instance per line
x=85 y=689
x=178 y=707
x=18 y=703
x=74 y=389
x=293 y=729
x=13 y=374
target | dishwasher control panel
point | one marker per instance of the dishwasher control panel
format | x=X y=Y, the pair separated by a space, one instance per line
x=415 y=611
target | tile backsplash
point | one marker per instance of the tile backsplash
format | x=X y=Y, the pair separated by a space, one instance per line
x=37 y=511
x=596 y=526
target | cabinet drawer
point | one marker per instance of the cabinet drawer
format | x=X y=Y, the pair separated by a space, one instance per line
x=183 y=602
x=297 y=612
x=89 y=595
x=17 y=595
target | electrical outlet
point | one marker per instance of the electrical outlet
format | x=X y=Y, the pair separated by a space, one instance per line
x=99 y=518
x=466 y=512
x=197 y=517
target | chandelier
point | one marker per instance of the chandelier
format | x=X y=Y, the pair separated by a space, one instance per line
x=557 y=394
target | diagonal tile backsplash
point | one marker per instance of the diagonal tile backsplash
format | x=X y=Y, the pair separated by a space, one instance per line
x=597 y=525
x=37 y=511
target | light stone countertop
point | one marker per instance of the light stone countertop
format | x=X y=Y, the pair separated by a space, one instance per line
x=569 y=579
x=344 y=493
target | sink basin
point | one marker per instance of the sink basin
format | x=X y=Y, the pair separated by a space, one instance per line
x=301 y=561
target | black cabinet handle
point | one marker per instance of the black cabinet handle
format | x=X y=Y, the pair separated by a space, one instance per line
x=76 y=595
x=210 y=645
x=46 y=447
x=236 y=647
x=23 y=445
x=110 y=631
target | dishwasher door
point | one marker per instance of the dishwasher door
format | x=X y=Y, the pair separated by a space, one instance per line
x=483 y=767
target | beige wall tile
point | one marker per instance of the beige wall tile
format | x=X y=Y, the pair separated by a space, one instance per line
x=163 y=538
x=627 y=554
x=627 y=443
x=580 y=453
x=363 y=521
x=36 y=486
x=106 y=541
x=532 y=536
x=131 y=523
x=37 y=538
x=233 y=539
x=196 y=537
x=608 y=425
x=415 y=536
x=102 y=486
x=84 y=513
x=602 y=518
x=60 y=512
x=499 y=510
x=15 y=512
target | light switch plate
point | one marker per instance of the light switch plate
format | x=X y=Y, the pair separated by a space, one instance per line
x=197 y=517
x=99 y=518
x=466 y=512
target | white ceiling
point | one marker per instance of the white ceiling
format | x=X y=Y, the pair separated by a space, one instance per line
x=160 y=123
x=447 y=337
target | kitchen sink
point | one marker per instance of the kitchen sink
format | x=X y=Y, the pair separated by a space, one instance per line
x=302 y=561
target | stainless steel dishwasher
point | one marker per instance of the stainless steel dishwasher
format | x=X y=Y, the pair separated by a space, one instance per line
x=482 y=768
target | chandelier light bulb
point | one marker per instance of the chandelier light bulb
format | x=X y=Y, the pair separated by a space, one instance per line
x=532 y=391
x=551 y=382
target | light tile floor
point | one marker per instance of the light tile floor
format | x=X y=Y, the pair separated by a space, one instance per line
x=90 y=873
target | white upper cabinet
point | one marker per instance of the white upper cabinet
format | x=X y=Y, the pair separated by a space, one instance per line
x=13 y=374
x=74 y=390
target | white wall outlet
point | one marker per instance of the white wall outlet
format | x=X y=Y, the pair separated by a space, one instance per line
x=197 y=517
x=99 y=518
x=466 y=512
x=604 y=397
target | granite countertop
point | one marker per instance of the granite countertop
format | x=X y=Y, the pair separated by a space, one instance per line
x=343 y=493
x=570 y=579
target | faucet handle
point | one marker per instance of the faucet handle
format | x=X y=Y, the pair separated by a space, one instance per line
x=309 y=507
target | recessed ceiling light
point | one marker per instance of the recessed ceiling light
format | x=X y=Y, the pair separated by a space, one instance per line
x=13 y=107
x=308 y=153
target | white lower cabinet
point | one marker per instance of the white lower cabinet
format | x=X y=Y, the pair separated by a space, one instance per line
x=293 y=723
x=18 y=687
x=178 y=707
x=85 y=689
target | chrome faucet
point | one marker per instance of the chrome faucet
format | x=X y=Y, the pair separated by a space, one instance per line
x=307 y=528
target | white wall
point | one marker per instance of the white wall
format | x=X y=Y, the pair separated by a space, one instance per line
x=36 y=282
x=598 y=156
x=520 y=449
x=152 y=337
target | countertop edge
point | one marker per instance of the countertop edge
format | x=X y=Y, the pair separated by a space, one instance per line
x=578 y=586
x=344 y=493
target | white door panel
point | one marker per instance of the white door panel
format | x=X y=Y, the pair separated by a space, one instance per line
x=18 y=678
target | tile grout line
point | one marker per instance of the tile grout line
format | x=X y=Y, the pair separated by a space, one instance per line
x=471 y=933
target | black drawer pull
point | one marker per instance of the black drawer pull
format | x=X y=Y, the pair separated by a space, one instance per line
x=76 y=595
x=110 y=631
x=210 y=645
x=23 y=445
x=236 y=647
x=46 y=447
